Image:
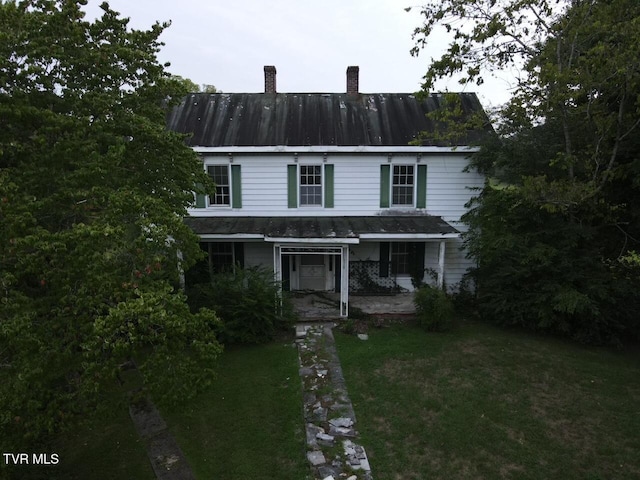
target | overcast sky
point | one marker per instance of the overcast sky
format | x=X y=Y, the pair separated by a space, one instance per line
x=226 y=43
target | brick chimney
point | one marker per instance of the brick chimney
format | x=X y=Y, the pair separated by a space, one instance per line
x=269 y=79
x=352 y=80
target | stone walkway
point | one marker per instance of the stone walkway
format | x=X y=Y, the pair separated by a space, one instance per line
x=333 y=450
x=325 y=305
x=167 y=460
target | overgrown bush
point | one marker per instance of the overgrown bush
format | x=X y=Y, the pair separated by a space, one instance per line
x=545 y=271
x=434 y=309
x=463 y=296
x=248 y=302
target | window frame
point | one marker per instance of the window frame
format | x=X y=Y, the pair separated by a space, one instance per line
x=224 y=265
x=394 y=253
x=321 y=195
x=393 y=185
x=229 y=185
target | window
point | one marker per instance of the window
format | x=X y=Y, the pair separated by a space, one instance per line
x=220 y=256
x=220 y=175
x=310 y=185
x=400 y=253
x=402 y=185
x=402 y=258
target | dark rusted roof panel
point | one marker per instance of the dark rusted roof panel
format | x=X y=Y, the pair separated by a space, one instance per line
x=320 y=227
x=305 y=119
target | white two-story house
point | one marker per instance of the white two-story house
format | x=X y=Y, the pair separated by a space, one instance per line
x=327 y=189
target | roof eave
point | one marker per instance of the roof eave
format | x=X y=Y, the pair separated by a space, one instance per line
x=320 y=149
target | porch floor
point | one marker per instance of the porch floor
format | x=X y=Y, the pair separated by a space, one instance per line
x=325 y=305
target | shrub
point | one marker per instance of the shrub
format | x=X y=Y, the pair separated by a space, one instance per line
x=434 y=309
x=249 y=304
x=463 y=296
x=348 y=327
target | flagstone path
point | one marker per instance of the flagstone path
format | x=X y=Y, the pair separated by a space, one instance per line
x=333 y=450
x=167 y=460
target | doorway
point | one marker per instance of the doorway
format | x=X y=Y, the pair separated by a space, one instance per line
x=313 y=272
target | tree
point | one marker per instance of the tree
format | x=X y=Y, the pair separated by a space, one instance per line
x=192 y=87
x=208 y=88
x=554 y=232
x=93 y=190
x=188 y=84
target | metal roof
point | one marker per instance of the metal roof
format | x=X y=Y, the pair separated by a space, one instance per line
x=321 y=227
x=305 y=119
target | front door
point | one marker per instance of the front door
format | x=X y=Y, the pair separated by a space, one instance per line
x=313 y=272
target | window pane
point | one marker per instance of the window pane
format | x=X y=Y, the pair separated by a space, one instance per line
x=310 y=185
x=220 y=175
x=402 y=186
x=221 y=256
x=399 y=258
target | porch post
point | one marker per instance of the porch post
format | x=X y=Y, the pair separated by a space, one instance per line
x=277 y=262
x=441 y=252
x=344 y=281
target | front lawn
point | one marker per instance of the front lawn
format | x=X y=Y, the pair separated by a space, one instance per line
x=482 y=403
x=249 y=425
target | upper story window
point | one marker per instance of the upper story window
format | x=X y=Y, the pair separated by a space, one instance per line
x=220 y=175
x=310 y=185
x=402 y=185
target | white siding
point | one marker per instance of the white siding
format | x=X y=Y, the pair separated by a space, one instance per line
x=356 y=185
x=356 y=193
x=449 y=188
x=369 y=251
x=456 y=265
x=258 y=253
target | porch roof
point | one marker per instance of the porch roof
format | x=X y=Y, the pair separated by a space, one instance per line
x=339 y=228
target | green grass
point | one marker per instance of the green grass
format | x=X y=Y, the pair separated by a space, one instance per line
x=482 y=403
x=249 y=425
x=107 y=449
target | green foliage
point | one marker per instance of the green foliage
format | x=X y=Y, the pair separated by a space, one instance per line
x=544 y=270
x=348 y=326
x=249 y=303
x=434 y=309
x=191 y=87
x=555 y=218
x=93 y=189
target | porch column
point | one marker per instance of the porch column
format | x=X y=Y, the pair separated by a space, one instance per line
x=441 y=252
x=344 y=281
x=277 y=262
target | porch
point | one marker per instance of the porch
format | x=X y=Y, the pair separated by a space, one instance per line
x=372 y=255
x=325 y=305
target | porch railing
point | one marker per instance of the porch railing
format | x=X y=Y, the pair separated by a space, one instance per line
x=364 y=278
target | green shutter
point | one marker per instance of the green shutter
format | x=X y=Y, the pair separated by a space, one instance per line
x=384 y=185
x=384 y=259
x=416 y=260
x=421 y=201
x=292 y=186
x=328 y=186
x=236 y=187
x=238 y=254
x=200 y=198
